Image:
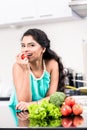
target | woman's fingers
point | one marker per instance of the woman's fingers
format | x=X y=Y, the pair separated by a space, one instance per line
x=22 y=115
x=21 y=60
x=22 y=106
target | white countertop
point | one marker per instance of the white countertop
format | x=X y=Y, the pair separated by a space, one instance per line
x=4 y=103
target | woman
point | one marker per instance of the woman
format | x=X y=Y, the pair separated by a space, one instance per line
x=38 y=71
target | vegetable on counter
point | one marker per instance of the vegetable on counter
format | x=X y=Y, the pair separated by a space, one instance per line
x=44 y=110
x=70 y=107
x=44 y=114
x=45 y=123
x=57 y=98
x=66 y=110
x=69 y=101
x=77 y=109
x=51 y=113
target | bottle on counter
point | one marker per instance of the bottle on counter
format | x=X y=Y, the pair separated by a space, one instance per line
x=69 y=77
x=69 y=82
x=78 y=78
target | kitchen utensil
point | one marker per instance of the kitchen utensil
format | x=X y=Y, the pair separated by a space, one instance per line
x=81 y=89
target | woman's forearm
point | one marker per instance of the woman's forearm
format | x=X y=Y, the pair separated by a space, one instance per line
x=26 y=85
x=22 y=84
x=25 y=94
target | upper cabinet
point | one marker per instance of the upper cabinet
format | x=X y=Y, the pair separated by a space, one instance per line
x=13 y=11
x=53 y=9
x=31 y=11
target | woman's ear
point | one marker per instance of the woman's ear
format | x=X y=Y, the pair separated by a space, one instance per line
x=44 y=49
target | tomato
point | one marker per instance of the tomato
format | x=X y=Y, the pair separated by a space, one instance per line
x=77 y=109
x=66 y=110
x=23 y=56
x=70 y=101
x=78 y=120
x=67 y=122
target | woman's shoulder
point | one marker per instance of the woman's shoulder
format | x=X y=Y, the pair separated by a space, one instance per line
x=51 y=64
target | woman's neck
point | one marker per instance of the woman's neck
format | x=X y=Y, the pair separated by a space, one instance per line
x=36 y=66
x=37 y=69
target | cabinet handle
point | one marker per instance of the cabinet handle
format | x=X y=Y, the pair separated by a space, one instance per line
x=26 y=18
x=46 y=15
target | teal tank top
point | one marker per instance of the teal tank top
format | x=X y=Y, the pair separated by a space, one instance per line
x=39 y=87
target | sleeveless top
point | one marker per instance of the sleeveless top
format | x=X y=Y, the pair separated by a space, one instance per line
x=39 y=87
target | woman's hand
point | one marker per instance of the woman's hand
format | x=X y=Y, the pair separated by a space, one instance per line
x=23 y=120
x=23 y=115
x=22 y=60
x=23 y=106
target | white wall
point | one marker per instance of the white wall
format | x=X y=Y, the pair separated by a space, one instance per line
x=66 y=39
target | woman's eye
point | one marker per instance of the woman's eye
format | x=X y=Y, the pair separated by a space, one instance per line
x=32 y=45
x=22 y=45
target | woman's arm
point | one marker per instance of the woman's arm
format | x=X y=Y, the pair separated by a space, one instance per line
x=23 y=106
x=54 y=77
x=21 y=82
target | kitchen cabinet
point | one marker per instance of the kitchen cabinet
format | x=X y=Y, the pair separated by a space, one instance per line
x=22 y=12
x=16 y=11
x=47 y=9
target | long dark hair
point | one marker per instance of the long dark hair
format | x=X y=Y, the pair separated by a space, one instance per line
x=43 y=40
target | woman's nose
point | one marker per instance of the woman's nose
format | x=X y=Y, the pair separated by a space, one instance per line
x=26 y=48
x=26 y=51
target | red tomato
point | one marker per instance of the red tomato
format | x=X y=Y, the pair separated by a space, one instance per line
x=67 y=122
x=77 y=109
x=23 y=56
x=66 y=110
x=78 y=120
x=70 y=101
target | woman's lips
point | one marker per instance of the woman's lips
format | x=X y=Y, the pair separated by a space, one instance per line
x=29 y=54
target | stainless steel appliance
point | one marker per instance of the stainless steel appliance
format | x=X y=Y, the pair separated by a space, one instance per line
x=79 y=7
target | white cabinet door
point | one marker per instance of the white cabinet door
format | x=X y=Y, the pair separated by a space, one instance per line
x=22 y=11
x=26 y=9
x=12 y=11
x=53 y=8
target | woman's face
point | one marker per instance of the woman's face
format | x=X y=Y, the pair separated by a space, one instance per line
x=32 y=48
